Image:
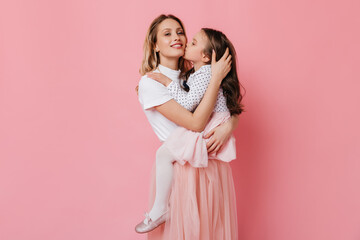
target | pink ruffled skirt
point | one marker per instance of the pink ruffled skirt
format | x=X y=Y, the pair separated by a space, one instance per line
x=202 y=204
x=189 y=146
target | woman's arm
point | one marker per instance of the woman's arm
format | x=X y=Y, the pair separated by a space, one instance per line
x=221 y=134
x=197 y=121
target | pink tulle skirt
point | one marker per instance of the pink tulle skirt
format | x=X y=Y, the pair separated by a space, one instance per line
x=202 y=204
x=189 y=146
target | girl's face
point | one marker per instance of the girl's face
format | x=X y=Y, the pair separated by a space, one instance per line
x=171 y=39
x=195 y=49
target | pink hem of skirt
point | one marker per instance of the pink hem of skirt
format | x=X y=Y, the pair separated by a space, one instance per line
x=189 y=146
x=202 y=204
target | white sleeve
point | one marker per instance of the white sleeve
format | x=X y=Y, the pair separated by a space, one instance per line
x=190 y=100
x=152 y=93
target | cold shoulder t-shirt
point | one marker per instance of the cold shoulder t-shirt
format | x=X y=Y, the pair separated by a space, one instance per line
x=153 y=93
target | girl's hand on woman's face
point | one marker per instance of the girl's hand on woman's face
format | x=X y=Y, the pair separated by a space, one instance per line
x=161 y=78
x=221 y=68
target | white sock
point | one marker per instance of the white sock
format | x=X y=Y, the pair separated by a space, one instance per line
x=164 y=176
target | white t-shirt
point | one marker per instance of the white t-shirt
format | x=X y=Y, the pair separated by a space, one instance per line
x=153 y=93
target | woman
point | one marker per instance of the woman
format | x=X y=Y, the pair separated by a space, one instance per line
x=202 y=201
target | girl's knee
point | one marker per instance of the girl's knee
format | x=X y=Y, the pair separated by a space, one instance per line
x=163 y=155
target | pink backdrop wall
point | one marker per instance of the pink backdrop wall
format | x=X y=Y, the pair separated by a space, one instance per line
x=76 y=149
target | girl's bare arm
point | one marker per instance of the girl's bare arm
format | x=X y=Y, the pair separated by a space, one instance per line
x=197 y=121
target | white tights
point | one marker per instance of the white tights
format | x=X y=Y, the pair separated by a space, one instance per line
x=164 y=177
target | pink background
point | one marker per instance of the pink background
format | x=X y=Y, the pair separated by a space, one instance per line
x=76 y=149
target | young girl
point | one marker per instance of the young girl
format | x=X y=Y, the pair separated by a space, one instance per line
x=184 y=145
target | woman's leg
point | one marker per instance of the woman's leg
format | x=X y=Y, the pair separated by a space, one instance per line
x=164 y=177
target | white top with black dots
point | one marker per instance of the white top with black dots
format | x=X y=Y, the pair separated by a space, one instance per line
x=198 y=83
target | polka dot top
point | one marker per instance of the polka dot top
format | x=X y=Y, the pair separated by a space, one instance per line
x=198 y=83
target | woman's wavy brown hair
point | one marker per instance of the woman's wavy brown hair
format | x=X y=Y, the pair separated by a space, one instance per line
x=230 y=84
x=151 y=58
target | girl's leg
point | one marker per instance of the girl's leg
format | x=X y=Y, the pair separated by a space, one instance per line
x=164 y=176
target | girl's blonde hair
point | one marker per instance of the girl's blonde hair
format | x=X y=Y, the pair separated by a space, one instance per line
x=151 y=58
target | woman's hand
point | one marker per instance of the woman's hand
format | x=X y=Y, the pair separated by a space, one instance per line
x=221 y=134
x=137 y=89
x=221 y=68
x=161 y=78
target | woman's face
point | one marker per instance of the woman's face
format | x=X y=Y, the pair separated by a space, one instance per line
x=171 y=39
x=195 y=49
